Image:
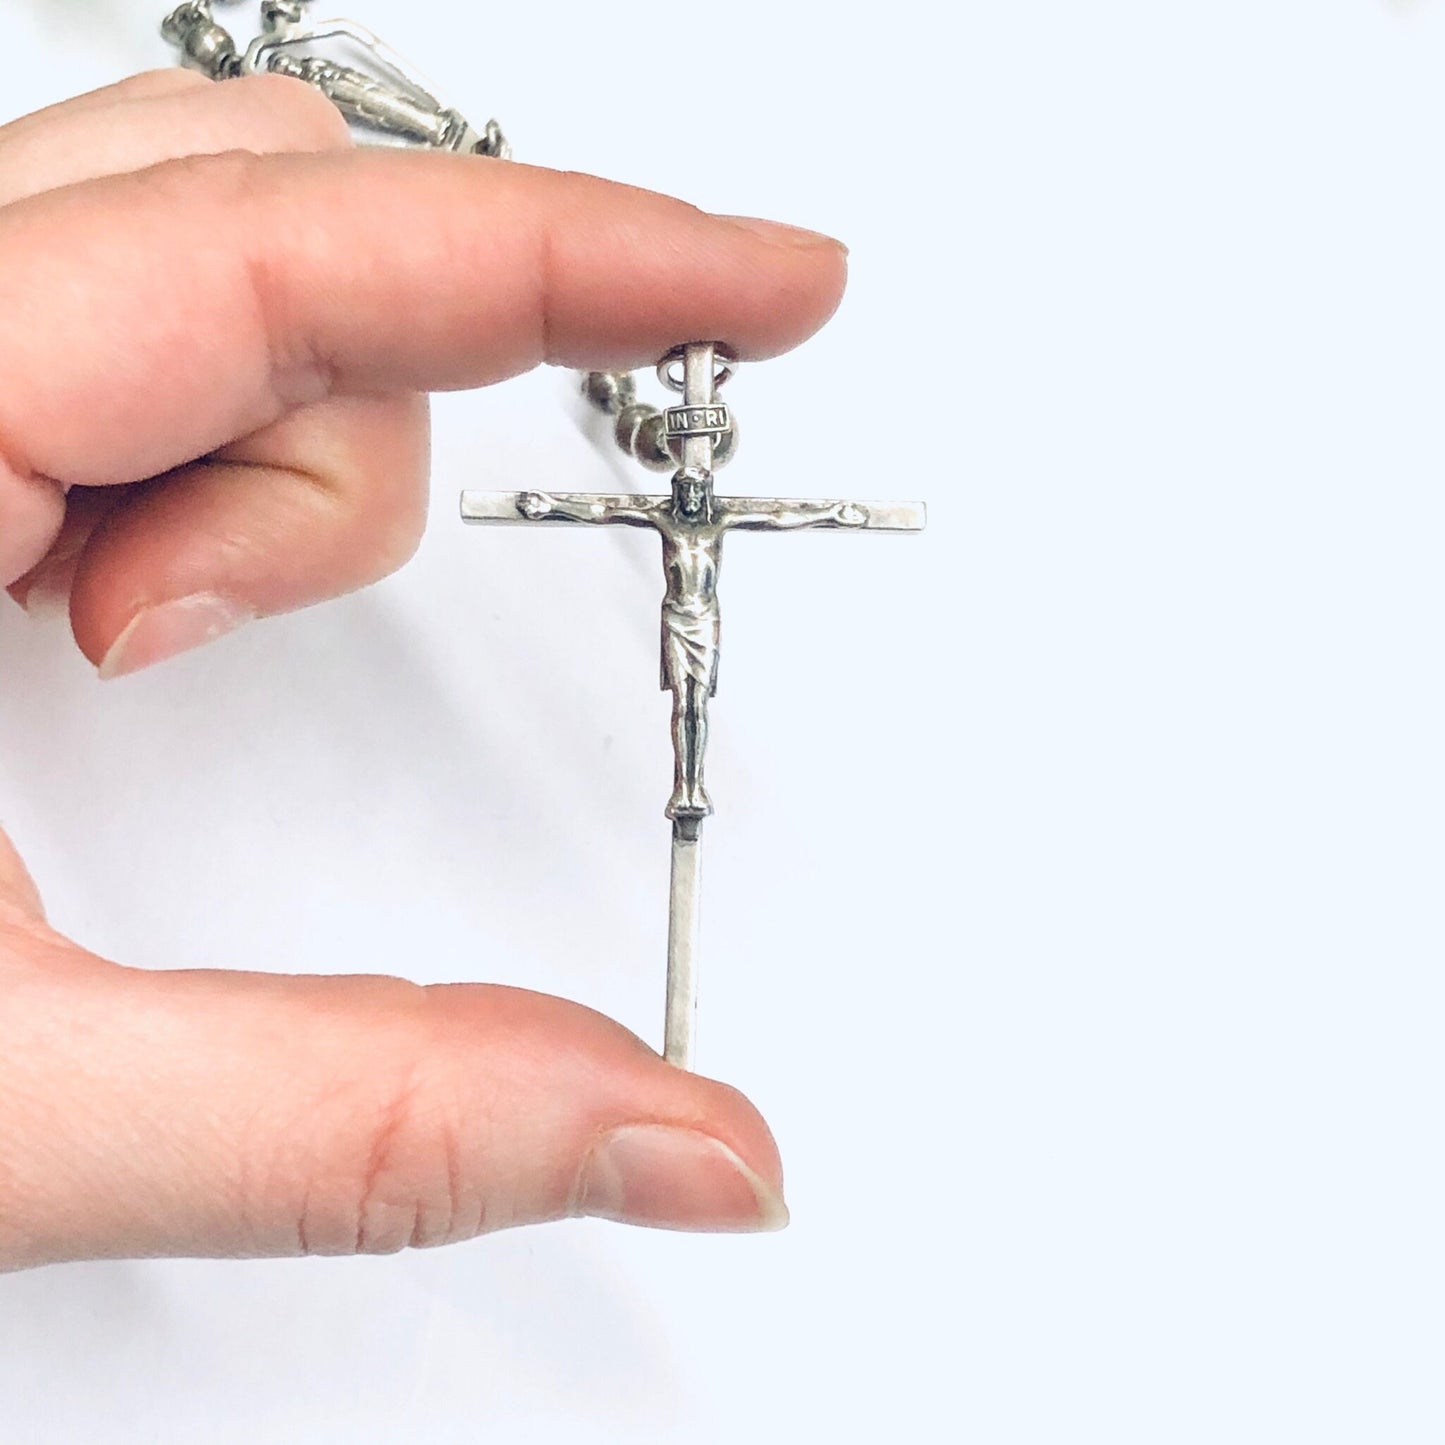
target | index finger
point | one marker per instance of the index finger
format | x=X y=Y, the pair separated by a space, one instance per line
x=151 y=318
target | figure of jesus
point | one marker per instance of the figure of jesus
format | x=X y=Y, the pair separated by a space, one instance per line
x=692 y=523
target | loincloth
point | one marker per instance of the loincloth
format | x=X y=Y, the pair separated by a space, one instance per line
x=689 y=649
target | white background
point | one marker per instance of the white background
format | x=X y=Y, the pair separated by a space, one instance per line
x=1073 y=906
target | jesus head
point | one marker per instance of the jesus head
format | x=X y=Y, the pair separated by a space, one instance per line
x=692 y=493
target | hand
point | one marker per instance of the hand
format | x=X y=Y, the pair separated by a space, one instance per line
x=534 y=506
x=850 y=514
x=213 y=414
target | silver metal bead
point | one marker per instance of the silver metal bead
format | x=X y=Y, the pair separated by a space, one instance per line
x=628 y=420
x=179 y=21
x=609 y=391
x=649 y=444
x=212 y=49
x=206 y=46
x=277 y=14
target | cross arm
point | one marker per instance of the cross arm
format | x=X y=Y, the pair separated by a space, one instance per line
x=782 y=514
x=629 y=508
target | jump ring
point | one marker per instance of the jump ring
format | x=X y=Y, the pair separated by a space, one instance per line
x=726 y=359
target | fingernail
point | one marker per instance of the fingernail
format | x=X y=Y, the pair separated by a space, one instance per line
x=49 y=593
x=671 y=1178
x=170 y=628
x=784 y=235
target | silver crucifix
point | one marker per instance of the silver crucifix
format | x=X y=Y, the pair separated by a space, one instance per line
x=692 y=523
x=390 y=100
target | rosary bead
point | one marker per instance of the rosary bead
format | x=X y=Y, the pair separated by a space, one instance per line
x=609 y=391
x=276 y=14
x=206 y=45
x=183 y=18
x=727 y=445
x=628 y=420
x=212 y=49
x=649 y=445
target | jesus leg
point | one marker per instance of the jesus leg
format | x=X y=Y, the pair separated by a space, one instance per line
x=689 y=741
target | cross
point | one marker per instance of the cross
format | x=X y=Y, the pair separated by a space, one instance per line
x=692 y=523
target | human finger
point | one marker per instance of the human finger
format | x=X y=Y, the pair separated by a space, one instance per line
x=131 y=126
x=331 y=497
x=145 y=86
x=309 y=294
x=82 y=140
x=233 y=288
x=205 y=1114
x=46 y=587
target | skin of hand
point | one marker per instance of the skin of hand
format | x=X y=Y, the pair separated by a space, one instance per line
x=216 y=346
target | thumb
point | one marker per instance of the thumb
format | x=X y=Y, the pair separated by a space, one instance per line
x=207 y=1114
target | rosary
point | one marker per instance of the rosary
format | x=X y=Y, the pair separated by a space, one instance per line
x=384 y=98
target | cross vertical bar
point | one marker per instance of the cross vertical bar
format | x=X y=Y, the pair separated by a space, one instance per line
x=698 y=389
x=683 y=931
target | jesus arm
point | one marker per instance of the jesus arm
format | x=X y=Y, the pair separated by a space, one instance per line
x=758 y=516
x=628 y=511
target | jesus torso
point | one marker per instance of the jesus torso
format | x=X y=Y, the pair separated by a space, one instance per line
x=691 y=558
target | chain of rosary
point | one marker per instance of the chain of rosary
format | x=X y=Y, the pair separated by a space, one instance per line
x=399 y=106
